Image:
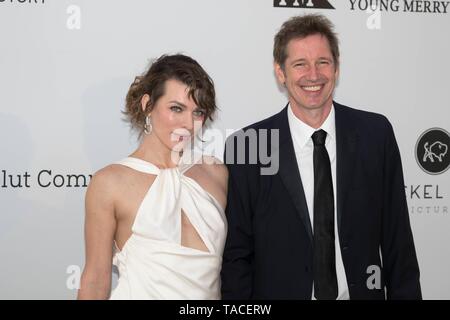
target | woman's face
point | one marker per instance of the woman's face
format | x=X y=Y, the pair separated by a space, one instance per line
x=175 y=118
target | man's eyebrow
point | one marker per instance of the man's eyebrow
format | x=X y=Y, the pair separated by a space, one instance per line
x=299 y=59
x=304 y=59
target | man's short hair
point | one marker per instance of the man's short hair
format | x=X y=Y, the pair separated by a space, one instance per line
x=300 y=27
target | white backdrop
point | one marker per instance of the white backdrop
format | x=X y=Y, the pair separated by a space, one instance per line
x=65 y=68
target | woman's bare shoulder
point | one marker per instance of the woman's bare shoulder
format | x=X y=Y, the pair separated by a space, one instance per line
x=109 y=178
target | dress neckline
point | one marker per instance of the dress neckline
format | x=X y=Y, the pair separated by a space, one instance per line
x=186 y=162
x=151 y=164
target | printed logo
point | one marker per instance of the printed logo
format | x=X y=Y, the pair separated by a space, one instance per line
x=308 y=4
x=432 y=151
x=22 y=2
x=413 y=6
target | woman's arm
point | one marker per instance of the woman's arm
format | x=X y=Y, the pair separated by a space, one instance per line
x=100 y=227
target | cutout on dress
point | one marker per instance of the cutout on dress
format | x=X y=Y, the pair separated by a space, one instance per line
x=190 y=238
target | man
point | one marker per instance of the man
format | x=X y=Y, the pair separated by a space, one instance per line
x=332 y=223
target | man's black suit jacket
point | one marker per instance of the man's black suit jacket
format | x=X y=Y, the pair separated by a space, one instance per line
x=268 y=252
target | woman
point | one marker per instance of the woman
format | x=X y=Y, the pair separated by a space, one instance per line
x=156 y=216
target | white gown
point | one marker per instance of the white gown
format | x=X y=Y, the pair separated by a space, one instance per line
x=153 y=264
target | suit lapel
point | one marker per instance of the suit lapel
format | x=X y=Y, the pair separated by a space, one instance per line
x=289 y=171
x=346 y=151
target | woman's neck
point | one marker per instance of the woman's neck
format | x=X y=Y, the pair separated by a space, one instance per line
x=154 y=151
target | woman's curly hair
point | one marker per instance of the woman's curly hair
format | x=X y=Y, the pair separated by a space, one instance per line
x=178 y=67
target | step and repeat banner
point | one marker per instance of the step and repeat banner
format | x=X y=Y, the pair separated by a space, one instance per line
x=66 y=66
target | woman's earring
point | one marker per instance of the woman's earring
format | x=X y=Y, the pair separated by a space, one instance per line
x=148 y=125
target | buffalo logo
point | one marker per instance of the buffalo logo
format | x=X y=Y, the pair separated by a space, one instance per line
x=432 y=151
x=436 y=150
x=308 y=4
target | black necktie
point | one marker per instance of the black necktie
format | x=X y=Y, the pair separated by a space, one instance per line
x=324 y=263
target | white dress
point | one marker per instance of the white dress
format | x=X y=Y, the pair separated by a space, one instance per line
x=153 y=264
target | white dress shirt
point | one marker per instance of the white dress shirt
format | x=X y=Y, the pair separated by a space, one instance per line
x=303 y=146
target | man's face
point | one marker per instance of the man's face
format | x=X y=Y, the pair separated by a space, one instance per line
x=309 y=73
